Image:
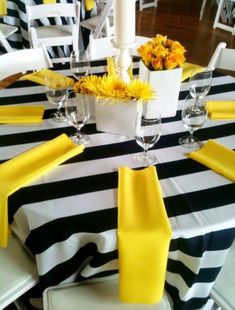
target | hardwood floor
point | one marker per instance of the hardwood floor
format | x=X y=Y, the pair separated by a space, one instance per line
x=179 y=20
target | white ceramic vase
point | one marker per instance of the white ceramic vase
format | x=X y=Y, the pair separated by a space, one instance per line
x=166 y=84
x=117 y=117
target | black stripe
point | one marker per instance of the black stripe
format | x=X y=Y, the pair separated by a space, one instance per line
x=49 y=234
x=212 y=241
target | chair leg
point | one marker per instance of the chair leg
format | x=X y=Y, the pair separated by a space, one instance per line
x=202 y=9
x=218 y=13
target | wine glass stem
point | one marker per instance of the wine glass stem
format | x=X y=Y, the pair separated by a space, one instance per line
x=191 y=138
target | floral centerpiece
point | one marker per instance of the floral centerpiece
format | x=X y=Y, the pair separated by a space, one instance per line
x=116 y=102
x=162 y=53
x=113 y=89
x=160 y=65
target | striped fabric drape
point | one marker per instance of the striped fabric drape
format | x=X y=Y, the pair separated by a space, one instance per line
x=70 y=216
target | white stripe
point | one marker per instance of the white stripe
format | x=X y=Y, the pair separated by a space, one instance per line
x=63 y=251
x=209 y=259
x=198 y=290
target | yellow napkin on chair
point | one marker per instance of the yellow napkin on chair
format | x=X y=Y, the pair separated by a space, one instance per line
x=39 y=77
x=21 y=114
x=188 y=68
x=216 y=157
x=144 y=235
x=3 y=7
x=89 y=5
x=221 y=109
x=19 y=171
x=49 y=1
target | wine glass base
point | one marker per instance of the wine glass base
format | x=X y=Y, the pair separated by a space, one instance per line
x=146 y=160
x=58 y=118
x=83 y=139
x=189 y=142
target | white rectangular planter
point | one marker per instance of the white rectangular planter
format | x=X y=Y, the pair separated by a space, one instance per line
x=116 y=117
x=166 y=84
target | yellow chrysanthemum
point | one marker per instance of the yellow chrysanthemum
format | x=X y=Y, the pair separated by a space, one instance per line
x=139 y=90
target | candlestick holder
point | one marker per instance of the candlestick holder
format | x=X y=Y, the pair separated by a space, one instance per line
x=123 y=60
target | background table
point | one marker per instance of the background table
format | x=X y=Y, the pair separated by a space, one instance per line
x=68 y=217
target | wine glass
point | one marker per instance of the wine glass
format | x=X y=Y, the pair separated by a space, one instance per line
x=56 y=91
x=79 y=63
x=194 y=115
x=148 y=131
x=77 y=113
x=200 y=84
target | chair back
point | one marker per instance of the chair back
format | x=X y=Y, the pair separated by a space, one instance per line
x=23 y=60
x=222 y=58
x=95 y=294
x=18 y=272
x=5 y=32
x=97 y=23
x=54 y=35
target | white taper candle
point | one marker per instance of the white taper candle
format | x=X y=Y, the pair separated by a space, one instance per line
x=124 y=22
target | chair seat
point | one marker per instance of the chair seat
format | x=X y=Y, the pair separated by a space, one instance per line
x=53 y=31
x=99 y=295
x=7 y=30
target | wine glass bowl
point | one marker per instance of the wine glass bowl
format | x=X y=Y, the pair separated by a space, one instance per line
x=77 y=113
x=56 y=92
x=79 y=63
x=200 y=84
x=194 y=115
x=148 y=132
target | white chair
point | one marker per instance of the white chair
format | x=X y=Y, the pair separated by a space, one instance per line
x=18 y=272
x=223 y=58
x=98 y=295
x=227 y=5
x=54 y=35
x=101 y=25
x=147 y=4
x=23 y=60
x=223 y=289
x=5 y=32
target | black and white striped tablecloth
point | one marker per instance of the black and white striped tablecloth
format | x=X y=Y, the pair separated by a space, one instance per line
x=68 y=217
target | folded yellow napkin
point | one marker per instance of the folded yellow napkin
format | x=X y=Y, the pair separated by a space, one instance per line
x=49 y=1
x=188 y=68
x=221 y=109
x=21 y=114
x=89 y=5
x=112 y=71
x=3 y=7
x=217 y=157
x=39 y=77
x=19 y=171
x=144 y=235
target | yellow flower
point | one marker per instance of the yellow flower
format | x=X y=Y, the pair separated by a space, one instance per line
x=162 y=53
x=111 y=87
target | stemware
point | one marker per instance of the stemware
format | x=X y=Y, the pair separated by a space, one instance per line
x=148 y=131
x=79 y=63
x=77 y=113
x=194 y=115
x=200 y=84
x=56 y=92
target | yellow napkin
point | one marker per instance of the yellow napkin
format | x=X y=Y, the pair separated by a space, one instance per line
x=3 y=7
x=216 y=157
x=221 y=109
x=39 y=77
x=188 y=68
x=21 y=114
x=19 y=171
x=49 y=1
x=112 y=71
x=89 y=5
x=144 y=235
